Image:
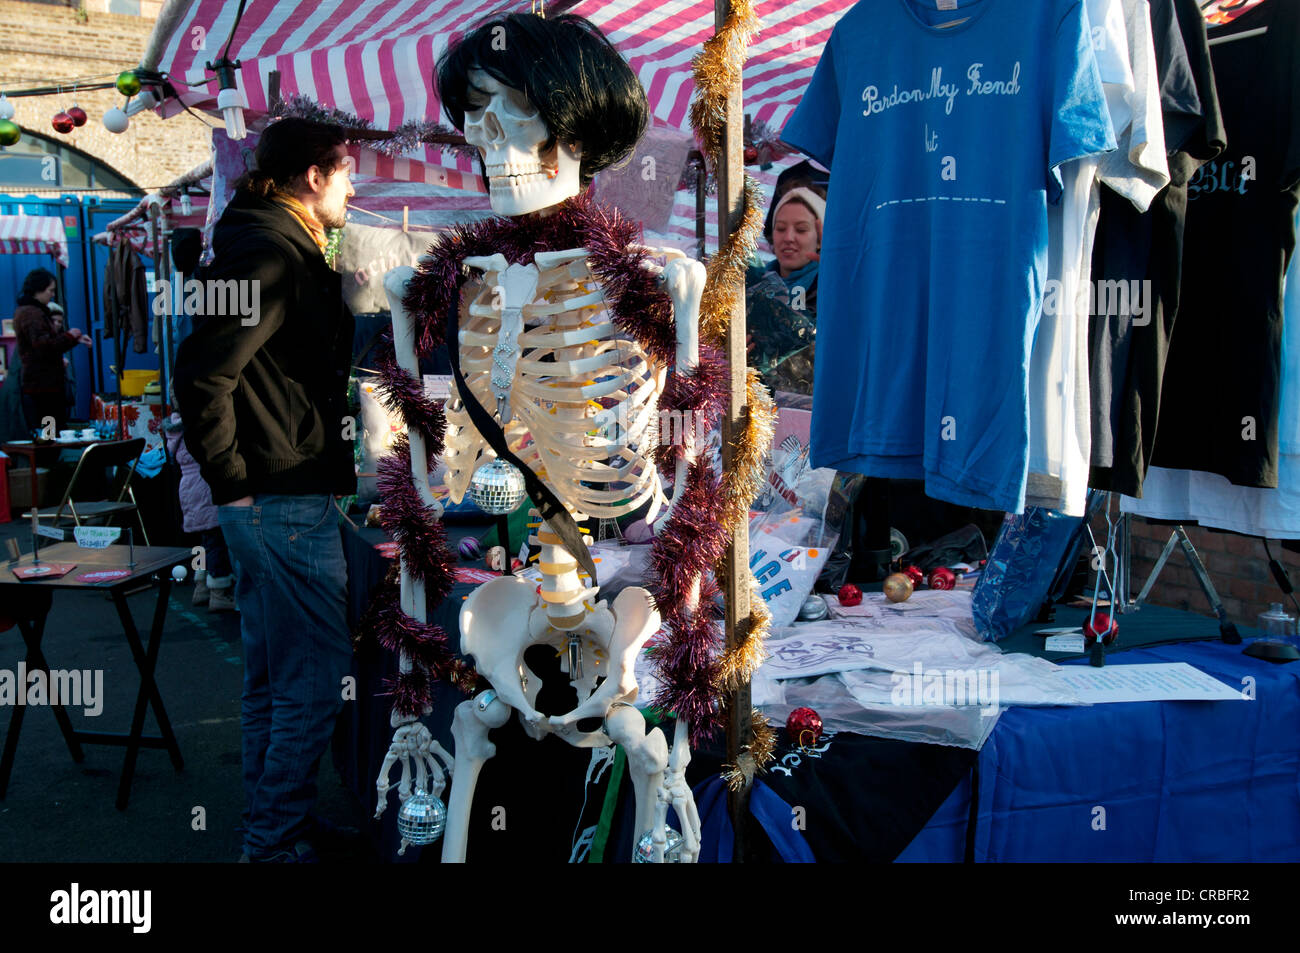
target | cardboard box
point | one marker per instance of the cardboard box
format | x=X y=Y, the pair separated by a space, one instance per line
x=20 y=487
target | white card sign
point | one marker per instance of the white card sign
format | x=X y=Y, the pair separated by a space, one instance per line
x=1064 y=643
x=52 y=532
x=437 y=386
x=96 y=537
x=1156 y=682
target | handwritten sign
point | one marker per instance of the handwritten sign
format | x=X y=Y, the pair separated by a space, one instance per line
x=52 y=532
x=437 y=386
x=96 y=537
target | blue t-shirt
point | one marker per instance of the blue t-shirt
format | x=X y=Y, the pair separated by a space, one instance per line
x=944 y=146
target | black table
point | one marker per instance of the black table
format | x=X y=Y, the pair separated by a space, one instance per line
x=32 y=600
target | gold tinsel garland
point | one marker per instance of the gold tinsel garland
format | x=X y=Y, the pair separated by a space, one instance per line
x=724 y=288
x=753 y=758
x=718 y=70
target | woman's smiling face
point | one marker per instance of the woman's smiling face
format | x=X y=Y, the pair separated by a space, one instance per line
x=796 y=237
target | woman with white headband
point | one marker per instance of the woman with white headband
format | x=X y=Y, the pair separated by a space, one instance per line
x=782 y=297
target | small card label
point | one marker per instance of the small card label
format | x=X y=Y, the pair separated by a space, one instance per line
x=96 y=537
x=103 y=575
x=947 y=4
x=1064 y=643
x=437 y=386
x=53 y=532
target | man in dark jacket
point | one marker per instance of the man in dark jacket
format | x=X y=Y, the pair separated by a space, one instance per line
x=262 y=388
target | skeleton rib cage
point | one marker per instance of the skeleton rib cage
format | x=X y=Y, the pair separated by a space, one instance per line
x=583 y=398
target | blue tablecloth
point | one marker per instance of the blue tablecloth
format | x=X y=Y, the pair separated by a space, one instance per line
x=1138 y=782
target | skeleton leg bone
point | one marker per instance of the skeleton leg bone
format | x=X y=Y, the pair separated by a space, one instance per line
x=647 y=757
x=469 y=726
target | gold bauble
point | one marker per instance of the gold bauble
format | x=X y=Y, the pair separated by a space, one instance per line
x=898 y=587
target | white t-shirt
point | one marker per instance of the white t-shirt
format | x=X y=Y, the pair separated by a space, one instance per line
x=1060 y=430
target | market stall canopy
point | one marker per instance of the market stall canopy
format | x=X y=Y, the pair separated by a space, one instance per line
x=375 y=59
x=34 y=235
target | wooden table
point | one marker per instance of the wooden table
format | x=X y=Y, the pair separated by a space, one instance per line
x=33 y=599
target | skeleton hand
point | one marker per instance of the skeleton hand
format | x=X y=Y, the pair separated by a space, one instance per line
x=413 y=743
x=676 y=793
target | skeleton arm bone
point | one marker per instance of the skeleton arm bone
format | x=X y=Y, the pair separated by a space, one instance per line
x=684 y=278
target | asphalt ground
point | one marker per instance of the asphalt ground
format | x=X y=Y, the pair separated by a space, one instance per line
x=56 y=810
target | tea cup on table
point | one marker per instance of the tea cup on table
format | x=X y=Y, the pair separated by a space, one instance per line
x=88 y=433
x=67 y=435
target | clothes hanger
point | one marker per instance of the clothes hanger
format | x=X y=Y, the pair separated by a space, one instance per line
x=1213 y=6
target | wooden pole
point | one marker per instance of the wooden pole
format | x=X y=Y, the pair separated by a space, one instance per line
x=731 y=177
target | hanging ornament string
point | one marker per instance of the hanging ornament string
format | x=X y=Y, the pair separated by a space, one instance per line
x=407 y=137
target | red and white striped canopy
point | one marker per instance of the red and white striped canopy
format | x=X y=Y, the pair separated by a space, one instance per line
x=375 y=59
x=34 y=235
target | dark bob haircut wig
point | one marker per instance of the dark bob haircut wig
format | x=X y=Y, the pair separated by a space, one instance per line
x=575 y=77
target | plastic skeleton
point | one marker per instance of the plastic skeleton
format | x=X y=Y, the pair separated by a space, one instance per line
x=538 y=346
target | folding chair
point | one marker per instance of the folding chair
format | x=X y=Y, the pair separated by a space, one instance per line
x=95 y=460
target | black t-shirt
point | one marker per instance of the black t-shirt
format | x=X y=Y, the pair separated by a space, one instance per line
x=1127 y=355
x=1222 y=383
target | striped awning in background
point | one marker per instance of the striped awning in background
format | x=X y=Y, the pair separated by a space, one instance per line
x=34 y=235
x=375 y=60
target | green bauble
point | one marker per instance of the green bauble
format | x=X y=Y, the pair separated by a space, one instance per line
x=9 y=133
x=128 y=84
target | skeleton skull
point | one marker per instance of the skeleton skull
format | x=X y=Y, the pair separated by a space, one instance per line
x=509 y=133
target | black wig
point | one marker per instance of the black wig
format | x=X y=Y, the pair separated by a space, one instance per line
x=578 y=81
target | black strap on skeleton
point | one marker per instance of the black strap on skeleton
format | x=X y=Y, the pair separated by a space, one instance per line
x=548 y=504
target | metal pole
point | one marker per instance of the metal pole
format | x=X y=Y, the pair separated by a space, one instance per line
x=701 y=221
x=735 y=587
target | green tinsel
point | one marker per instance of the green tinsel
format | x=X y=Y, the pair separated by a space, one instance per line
x=333 y=239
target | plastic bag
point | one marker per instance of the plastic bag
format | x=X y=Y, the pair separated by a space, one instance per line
x=1020 y=570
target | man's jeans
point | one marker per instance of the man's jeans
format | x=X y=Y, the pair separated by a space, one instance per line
x=292 y=592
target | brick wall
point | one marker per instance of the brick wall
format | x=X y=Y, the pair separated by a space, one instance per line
x=1237 y=565
x=41 y=44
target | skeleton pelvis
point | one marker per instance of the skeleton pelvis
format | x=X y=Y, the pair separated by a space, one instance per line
x=505 y=617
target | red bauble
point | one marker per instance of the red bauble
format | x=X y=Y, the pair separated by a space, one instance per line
x=751 y=155
x=78 y=116
x=62 y=122
x=915 y=574
x=1103 y=626
x=804 y=727
x=942 y=578
x=850 y=595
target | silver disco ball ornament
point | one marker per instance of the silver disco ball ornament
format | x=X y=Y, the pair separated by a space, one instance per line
x=813 y=609
x=497 y=488
x=645 y=848
x=421 y=819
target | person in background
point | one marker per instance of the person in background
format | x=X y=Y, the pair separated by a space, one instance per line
x=214 y=585
x=781 y=298
x=265 y=406
x=69 y=375
x=41 y=346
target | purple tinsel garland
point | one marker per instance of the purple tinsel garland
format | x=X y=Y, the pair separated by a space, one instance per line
x=688 y=546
